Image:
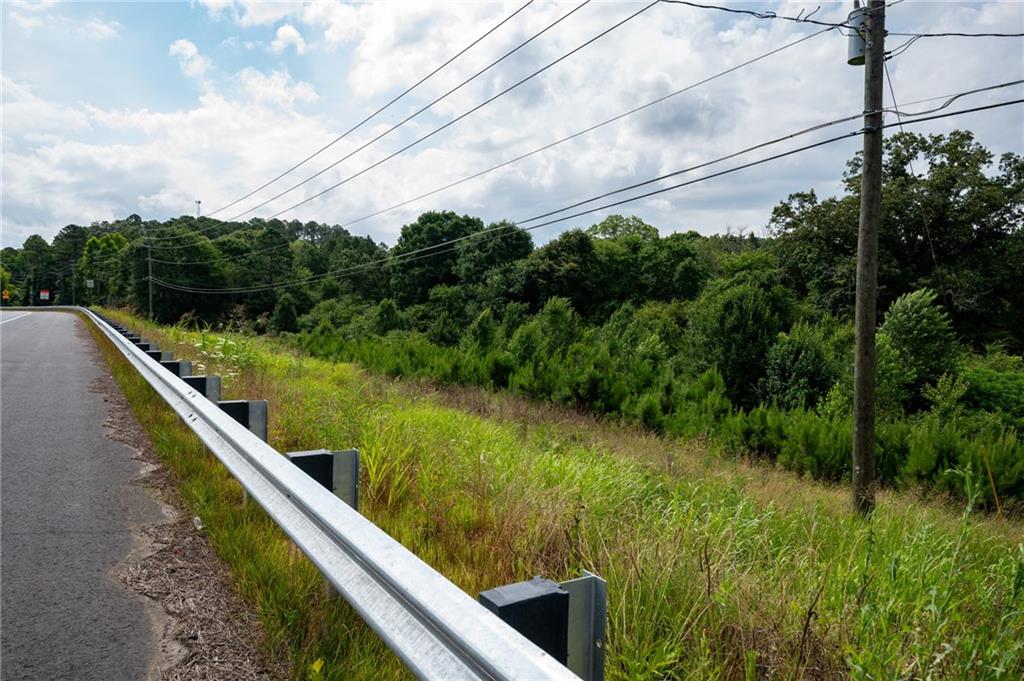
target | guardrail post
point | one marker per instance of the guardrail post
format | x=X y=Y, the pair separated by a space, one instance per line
x=537 y=609
x=180 y=368
x=588 y=609
x=160 y=355
x=253 y=415
x=250 y=413
x=566 y=620
x=337 y=471
x=438 y=630
x=208 y=386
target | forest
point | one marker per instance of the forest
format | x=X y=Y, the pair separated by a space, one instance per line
x=745 y=340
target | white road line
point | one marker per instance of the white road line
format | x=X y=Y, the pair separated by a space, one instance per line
x=11 y=319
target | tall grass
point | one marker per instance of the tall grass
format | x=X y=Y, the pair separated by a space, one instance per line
x=715 y=570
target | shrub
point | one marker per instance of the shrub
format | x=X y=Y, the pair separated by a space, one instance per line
x=387 y=317
x=699 y=406
x=997 y=391
x=816 y=446
x=284 y=318
x=482 y=334
x=893 y=385
x=733 y=324
x=758 y=432
x=335 y=313
x=799 y=371
x=922 y=335
x=932 y=448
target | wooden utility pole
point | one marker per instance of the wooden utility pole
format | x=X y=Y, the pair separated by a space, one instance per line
x=867 y=265
x=149 y=260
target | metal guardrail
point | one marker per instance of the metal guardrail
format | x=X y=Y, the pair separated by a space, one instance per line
x=438 y=631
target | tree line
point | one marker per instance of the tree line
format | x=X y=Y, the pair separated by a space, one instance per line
x=744 y=338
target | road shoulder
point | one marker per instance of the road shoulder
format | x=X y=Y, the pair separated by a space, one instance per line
x=205 y=629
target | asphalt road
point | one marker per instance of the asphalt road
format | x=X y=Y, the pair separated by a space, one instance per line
x=68 y=513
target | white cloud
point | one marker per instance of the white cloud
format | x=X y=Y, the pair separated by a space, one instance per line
x=217 y=8
x=244 y=127
x=193 y=64
x=288 y=35
x=32 y=15
x=338 y=20
x=26 y=113
x=252 y=12
x=276 y=88
x=25 y=21
x=97 y=29
x=34 y=5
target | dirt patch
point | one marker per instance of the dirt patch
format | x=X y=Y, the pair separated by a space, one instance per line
x=205 y=630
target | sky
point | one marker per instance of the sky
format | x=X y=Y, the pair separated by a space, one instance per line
x=110 y=109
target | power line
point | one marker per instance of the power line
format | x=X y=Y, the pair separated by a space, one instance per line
x=474 y=109
x=201 y=230
x=362 y=122
x=913 y=173
x=450 y=244
x=559 y=141
x=949 y=99
x=899 y=115
x=224 y=258
x=392 y=128
x=957 y=35
x=755 y=163
x=899 y=50
x=422 y=109
x=585 y=131
x=807 y=20
x=763 y=15
x=378 y=111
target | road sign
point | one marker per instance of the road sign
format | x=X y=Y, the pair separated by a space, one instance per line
x=89 y=283
x=6 y=295
x=44 y=294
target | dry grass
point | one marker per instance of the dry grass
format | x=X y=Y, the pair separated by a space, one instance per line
x=716 y=568
x=686 y=458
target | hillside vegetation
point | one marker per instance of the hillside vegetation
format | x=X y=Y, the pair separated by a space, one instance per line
x=742 y=339
x=716 y=569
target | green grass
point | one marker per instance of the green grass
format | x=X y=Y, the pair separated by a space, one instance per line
x=716 y=569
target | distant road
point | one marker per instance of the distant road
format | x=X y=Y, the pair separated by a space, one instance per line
x=68 y=511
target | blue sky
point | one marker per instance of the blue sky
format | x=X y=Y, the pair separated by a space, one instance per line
x=118 y=108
